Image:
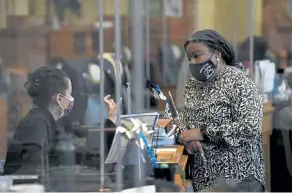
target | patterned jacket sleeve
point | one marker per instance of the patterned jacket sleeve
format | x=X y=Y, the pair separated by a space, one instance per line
x=247 y=113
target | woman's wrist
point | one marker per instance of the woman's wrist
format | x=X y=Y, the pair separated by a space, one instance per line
x=203 y=130
x=112 y=118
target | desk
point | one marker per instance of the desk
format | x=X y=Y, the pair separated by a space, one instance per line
x=174 y=155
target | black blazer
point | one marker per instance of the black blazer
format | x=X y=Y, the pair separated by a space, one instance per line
x=32 y=147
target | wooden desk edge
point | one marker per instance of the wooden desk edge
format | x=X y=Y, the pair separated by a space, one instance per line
x=269 y=110
x=178 y=154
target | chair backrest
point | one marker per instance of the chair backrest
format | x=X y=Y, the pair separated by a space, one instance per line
x=92 y=143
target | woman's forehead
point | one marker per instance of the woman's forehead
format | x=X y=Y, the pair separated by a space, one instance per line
x=196 y=47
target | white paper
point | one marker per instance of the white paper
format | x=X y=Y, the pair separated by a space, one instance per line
x=265 y=75
x=268 y=75
x=257 y=74
x=143 y=189
x=166 y=150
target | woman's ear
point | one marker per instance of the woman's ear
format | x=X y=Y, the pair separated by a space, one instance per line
x=217 y=56
x=58 y=99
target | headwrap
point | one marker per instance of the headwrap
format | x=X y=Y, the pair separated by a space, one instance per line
x=214 y=40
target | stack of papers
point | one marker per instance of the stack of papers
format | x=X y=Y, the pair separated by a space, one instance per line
x=265 y=73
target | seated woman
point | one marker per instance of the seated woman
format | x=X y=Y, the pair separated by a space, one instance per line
x=34 y=140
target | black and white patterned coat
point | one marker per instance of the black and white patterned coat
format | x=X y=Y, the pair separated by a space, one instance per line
x=231 y=108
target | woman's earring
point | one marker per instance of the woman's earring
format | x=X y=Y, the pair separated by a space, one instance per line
x=217 y=59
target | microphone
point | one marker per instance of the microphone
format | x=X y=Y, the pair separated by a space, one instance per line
x=158 y=94
x=170 y=108
x=155 y=90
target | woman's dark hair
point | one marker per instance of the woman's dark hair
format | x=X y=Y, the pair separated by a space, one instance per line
x=44 y=83
x=214 y=41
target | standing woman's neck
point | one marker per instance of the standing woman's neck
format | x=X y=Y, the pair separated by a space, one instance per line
x=221 y=66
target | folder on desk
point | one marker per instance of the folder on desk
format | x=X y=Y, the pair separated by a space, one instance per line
x=118 y=148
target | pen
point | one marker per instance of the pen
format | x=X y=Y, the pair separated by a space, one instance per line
x=149 y=150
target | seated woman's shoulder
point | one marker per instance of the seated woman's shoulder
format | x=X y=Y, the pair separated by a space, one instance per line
x=31 y=131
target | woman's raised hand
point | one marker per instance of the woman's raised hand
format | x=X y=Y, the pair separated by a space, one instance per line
x=112 y=109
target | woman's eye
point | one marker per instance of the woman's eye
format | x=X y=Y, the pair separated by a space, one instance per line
x=195 y=56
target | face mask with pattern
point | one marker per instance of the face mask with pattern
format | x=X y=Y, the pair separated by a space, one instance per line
x=203 y=71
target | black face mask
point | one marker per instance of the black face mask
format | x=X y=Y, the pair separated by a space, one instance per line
x=203 y=71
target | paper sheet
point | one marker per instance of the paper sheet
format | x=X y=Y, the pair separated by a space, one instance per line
x=143 y=189
x=265 y=75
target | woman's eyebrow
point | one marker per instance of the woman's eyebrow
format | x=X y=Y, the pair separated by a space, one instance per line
x=195 y=52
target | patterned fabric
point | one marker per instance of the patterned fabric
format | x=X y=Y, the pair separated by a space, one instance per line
x=232 y=109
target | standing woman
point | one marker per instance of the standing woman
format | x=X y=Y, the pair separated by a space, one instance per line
x=222 y=117
x=34 y=143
